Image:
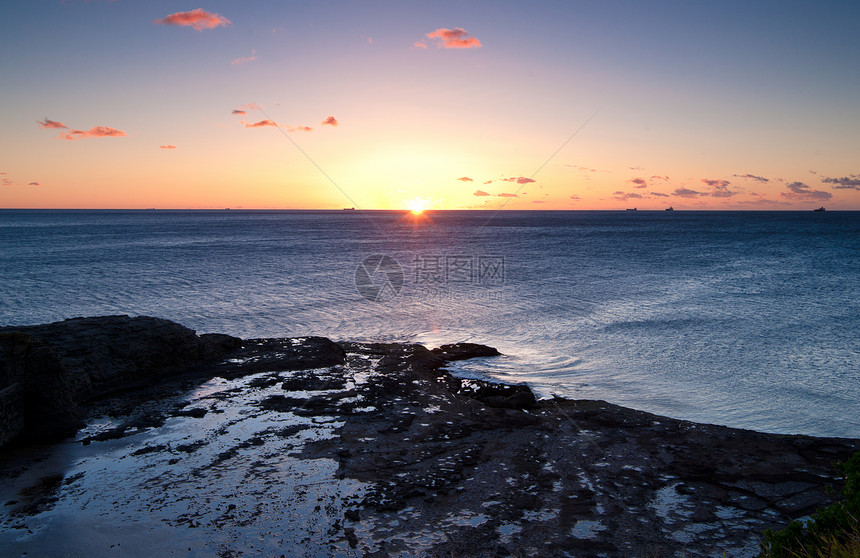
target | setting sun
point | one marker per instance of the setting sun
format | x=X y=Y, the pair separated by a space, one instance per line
x=417 y=206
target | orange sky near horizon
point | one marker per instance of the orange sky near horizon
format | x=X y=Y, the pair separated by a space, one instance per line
x=478 y=106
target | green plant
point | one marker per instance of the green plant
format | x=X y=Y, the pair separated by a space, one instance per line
x=831 y=532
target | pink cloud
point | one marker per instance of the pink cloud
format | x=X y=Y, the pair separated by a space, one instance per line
x=800 y=191
x=299 y=129
x=199 y=19
x=685 y=193
x=575 y=197
x=624 y=196
x=752 y=177
x=7 y=181
x=481 y=193
x=454 y=38
x=420 y=45
x=245 y=59
x=34 y=183
x=519 y=179
x=851 y=182
x=239 y=112
x=167 y=147
x=465 y=179
x=507 y=195
x=94 y=132
x=488 y=182
x=260 y=124
x=638 y=182
x=659 y=177
x=49 y=124
x=330 y=121
x=721 y=188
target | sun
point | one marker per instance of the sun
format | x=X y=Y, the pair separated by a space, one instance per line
x=417 y=206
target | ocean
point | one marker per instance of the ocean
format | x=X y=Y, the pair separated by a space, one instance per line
x=747 y=319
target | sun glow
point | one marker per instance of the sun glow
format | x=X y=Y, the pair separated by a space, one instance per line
x=417 y=206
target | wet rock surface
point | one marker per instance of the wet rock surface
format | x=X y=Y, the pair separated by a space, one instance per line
x=376 y=450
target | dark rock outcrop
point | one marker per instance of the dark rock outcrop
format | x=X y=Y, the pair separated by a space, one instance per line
x=414 y=460
x=59 y=365
x=463 y=351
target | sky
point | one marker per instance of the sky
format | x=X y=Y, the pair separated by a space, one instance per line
x=442 y=105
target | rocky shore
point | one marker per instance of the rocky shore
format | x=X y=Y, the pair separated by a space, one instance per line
x=135 y=436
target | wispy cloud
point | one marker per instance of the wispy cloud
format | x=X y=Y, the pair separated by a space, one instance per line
x=94 y=132
x=245 y=59
x=752 y=177
x=720 y=187
x=575 y=197
x=330 y=121
x=298 y=129
x=851 y=182
x=519 y=179
x=624 y=196
x=488 y=182
x=419 y=44
x=465 y=179
x=453 y=38
x=481 y=193
x=801 y=191
x=34 y=183
x=167 y=147
x=243 y=110
x=506 y=195
x=663 y=178
x=685 y=193
x=638 y=182
x=199 y=19
x=260 y=124
x=659 y=194
x=50 y=124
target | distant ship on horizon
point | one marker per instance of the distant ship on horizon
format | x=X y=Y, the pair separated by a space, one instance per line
x=820 y=209
x=670 y=208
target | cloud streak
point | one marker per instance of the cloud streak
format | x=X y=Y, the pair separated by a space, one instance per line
x=167 y=147
x=330 y=121
x=245 y=59
x=94 y=132
x=453 y=38
x=752 y=177
x=519 y=179
x=851 y=182
x=50 y=124
x=801 y=191
x=199 y=19
x=624 y=196
x=260 y=124
x=481 y=193
x=686 y=193
x=720 y=188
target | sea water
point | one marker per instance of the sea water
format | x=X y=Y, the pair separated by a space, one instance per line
x=747 y=319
